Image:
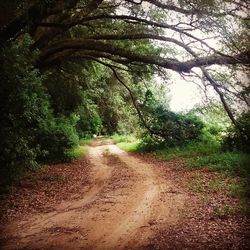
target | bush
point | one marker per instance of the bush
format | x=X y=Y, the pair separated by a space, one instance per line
x=28 y=130
x=24 y=103
x=56 y=138
x=89 y=122
x=236 y=140
x=171 y=129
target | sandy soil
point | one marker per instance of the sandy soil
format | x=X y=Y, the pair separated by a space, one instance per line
x=126 y=202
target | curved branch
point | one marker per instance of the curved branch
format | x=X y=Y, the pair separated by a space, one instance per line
x=168 y=63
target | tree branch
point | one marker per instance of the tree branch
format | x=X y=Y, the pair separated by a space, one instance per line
x=168 y=63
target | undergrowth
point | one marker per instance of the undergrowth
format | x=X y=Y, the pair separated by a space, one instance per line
x=231 y=163
x=80 y=150
x=232 y=167
x=128 y=143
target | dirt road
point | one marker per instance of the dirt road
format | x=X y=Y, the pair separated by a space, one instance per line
x=126 y=201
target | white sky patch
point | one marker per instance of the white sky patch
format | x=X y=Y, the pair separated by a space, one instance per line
x=184 y=95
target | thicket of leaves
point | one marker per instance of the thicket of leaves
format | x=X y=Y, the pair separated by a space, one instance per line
x=29 y=131
x=44 y=115
x=169 y=128
x=235 y=139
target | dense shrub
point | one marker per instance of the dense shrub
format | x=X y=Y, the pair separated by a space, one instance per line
x=171 y=129
x=236 y=139
x=28 y=129
x=24 y=103
x=55 y=138
x=89 y=121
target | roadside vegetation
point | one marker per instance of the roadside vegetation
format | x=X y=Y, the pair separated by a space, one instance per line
x=53 y=103
x=218 y=161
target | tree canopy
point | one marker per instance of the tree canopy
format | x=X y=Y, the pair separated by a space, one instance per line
x=129 y=34
x=73 y=30
x=89 y=63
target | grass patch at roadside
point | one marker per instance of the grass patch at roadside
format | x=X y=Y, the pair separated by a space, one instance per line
x=188 y=151
x=128 y=143
x=129 y=146
x=209 y=155
x=228 y=176
x=80 y=150
x=229 y=163
x=123 y=138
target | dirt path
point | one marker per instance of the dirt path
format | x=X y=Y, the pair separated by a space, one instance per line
x=125 y=203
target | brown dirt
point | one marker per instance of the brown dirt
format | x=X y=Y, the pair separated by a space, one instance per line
x=114 y=200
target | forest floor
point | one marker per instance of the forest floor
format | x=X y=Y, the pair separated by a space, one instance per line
x=114 y=200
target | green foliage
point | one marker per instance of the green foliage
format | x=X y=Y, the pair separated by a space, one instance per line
x=170 y=129
x=24 y=103
x=29 y=132
x=235 y=139
x=123 y=138
x=167 y=129
x=129 y=146
x=89 y=122
x=128 y=143
x=227 y=162
x=56 y=138
x=193 y=149
x=80 y=150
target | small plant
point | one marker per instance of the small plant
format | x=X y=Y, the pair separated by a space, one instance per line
x=59 y=178
x=123 y=138
x=196 y=185
x=78 y=152
x=129 y=146
x=106 y=152
x=84 y=142
x=224 y=212
x=216 y=185
x=238 y=190
x=128 y=143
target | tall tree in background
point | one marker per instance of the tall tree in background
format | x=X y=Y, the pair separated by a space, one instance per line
x=188 y=36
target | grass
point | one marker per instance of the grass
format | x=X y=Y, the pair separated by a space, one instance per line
x=209 y=155
x=188 y=151
x=84 y=142
x=123 y=138
x=128 y=143
x=217 y=185
x=233 y=170
x=240 y=190
x=129 y=146
x=232 y=180
x=229 y=163
x=80 y=150
x=224 y=211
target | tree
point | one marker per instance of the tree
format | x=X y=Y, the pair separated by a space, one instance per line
x=187 y=36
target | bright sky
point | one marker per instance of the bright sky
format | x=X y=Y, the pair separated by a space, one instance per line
x=184 y=95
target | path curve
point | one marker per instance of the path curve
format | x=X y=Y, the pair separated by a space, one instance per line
x=126 y=201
